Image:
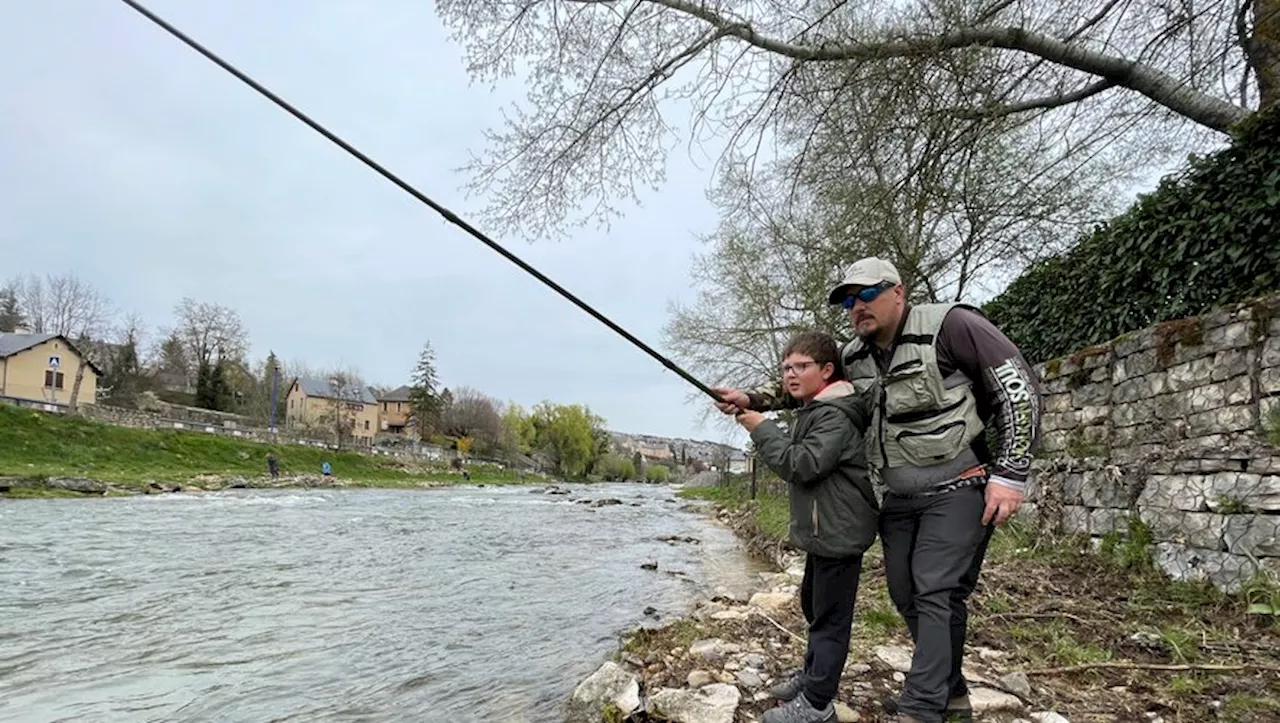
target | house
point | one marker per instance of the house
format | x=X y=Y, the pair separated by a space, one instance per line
x=321 y=404
x=394 y=411
x=43 y=368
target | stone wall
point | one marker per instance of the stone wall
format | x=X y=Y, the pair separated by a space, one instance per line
x=1170 y=425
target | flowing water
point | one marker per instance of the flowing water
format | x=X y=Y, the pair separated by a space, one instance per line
x=457 y=604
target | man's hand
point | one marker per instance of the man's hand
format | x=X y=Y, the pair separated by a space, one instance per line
x=734 y=400
x=750 y=420
x=1002 y=502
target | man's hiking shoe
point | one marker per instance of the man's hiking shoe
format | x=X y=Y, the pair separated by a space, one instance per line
x=799 y=710
x=788 y=689
x=954 y=713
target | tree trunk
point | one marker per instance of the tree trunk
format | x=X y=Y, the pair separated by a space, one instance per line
x=1265 y=50
x=75 y=388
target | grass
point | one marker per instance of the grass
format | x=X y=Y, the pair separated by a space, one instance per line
x=35 y=445
x=772 y=512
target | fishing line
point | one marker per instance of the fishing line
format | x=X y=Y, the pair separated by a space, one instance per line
x=449 y=216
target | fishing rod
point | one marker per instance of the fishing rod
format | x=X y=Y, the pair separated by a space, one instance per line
x=449 y=216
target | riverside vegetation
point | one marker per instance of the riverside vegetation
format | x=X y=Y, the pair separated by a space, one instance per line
x=1062 y=630
x=50 y=455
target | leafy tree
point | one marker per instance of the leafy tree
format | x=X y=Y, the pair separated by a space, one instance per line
x=657 y=474
x=518 y=431
x=594 y=129
x=567 y=435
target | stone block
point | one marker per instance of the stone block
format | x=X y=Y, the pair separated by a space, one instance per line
x=1091 y=394
x=1095 y=436
x=1223 y=570
x=1138 y=454
x=1057 y=403
x=1053 y=441
x=1194 y=529
x=1237 y=334
x=1232 y=363
x=1096 y=414
x=1133 y=343
x=1134 y=366
x=1225 y=419
x=1253 y=535
x=1269 y=407
x=1127 y=415
x=1238 y=390
x=1270 y=352
x=1176 y=492
x=1075 y=519
x=1106 y=488
x=1073 y=488
x=1060 y=420
x=1269 y=381
x=1265 y=465
x=1202 y=398
x=1243 y=492
x=1189 y=375
x=1058 y=385
x=1104 y=521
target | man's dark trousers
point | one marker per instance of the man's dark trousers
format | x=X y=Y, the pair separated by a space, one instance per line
x=827 y=594
x=933 y=550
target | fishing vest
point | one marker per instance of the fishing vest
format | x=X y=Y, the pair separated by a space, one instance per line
x=922 y=424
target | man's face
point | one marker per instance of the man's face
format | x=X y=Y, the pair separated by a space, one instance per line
x=882 y=312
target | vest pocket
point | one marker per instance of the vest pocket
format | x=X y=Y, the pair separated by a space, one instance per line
x=931 y=446
x=910 y=389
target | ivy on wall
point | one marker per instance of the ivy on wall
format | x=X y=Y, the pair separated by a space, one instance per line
x=1206 y=237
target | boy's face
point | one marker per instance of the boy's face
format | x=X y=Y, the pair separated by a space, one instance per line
x=804 y=377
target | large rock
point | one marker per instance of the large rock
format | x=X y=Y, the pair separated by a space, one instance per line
x=987 y=700
x=715 y=703
x=610 y=684
x=1016 y=683
x=771 y=602
x=1048 y=716
x=77 y=484
x=895 y=656
x=709 y=649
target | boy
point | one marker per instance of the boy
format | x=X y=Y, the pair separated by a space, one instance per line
x=833 y=513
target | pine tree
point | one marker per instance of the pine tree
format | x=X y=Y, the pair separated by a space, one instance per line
x=10 y=313
x=424 y=396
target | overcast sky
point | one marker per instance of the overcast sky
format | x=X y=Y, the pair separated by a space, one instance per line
x=133 y=162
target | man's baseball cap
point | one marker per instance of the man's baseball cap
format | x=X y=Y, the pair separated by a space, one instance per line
x=864 y=272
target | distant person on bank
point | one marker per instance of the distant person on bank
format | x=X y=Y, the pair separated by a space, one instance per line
x=833 y=513
x=936 y=377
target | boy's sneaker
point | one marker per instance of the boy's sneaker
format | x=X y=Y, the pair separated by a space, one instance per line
x=799 y=710
x=788 y=689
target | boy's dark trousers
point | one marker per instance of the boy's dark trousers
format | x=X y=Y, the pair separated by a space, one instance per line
x=827 y=593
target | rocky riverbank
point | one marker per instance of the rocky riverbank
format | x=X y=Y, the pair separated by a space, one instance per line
x=88 y=487
x=716 y=665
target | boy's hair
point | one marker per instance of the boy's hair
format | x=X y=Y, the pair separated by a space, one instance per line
x=816 y=345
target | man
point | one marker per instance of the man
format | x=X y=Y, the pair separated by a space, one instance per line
x=936 y=377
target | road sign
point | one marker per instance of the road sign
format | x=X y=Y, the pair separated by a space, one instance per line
x=55 y=362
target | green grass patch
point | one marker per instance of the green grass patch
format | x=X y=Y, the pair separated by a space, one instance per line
x=36 y=445
x=1055 y=644
x=772 y=511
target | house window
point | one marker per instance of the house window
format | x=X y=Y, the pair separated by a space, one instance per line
x=53 y=379
x=366 y=425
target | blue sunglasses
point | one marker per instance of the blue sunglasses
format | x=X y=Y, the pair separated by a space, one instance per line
x=866 y=295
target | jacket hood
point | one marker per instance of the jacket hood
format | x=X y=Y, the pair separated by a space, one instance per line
x=844 y=395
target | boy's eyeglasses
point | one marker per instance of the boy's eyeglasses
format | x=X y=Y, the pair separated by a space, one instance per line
x=866 y=295
x=798 y=367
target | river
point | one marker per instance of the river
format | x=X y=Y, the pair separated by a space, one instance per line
x=453 y=604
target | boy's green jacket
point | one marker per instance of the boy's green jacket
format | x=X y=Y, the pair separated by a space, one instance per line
x=833 y=507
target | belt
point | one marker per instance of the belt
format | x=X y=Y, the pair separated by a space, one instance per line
x=975 y=477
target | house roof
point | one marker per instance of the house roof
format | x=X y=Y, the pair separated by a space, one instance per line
x=321 y=388
x=399 y=394
x=11 y=344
